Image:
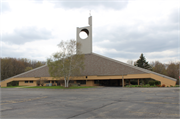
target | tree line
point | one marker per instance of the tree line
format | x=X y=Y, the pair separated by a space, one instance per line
x=171 y=69
x=14 y=66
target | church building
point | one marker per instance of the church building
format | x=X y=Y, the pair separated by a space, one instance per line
x=99 y=70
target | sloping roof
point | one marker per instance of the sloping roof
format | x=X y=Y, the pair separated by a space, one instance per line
x=99 y=65
x=96 y=64
x=138 y=68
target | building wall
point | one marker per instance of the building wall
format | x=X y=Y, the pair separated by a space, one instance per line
x=90 y=79
x=22 y=83
x=88 y=83
x=163 y=80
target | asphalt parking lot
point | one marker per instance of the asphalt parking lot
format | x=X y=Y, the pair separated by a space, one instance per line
x=103 y=102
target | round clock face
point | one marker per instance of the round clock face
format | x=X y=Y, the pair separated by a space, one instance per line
x=84 y=34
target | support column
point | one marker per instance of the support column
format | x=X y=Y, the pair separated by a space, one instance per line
x=138 y=81
x=144 y=82
x=123 y=82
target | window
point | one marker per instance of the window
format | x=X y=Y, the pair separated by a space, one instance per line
x=81 y=81
x=25 y=81
x=52 y=81
x=30 y=81
x=71 y=81
x=47 y=81
x=96 y=81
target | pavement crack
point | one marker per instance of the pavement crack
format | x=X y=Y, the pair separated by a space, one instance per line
x=92 y=110
x=6 y=110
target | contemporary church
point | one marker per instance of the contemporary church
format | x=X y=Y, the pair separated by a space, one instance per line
x=99 y=70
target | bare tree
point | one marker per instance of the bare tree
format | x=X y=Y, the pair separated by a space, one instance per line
x=158 y=67
x=131 y=62
x=28 y=68
x=66 y=63
x=41 y=81
x=173 y=70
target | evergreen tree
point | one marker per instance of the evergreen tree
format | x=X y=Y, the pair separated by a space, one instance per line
x=141 y=62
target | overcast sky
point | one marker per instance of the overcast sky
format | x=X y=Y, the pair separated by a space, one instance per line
x=122 y=29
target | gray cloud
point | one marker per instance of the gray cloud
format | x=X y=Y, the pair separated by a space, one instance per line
x=30 y=53
x=5 y=7
x=89 y=4
x=173 y=16
x=154 y=38
x=28 y=34
x=37 y=1
x=131 y=42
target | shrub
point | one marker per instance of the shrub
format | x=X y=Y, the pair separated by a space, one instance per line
x=133 y=82
x=167 y=86
x=163 y=85
x=171 y=86
x=158 y=85
x=147 y=85
x=151 y=83
x=157 y=82
x=13 y=83
x=128 y=85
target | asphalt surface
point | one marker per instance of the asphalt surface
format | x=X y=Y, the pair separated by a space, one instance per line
x=104 y=102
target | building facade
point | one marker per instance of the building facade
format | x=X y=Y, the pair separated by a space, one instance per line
x=99 y=70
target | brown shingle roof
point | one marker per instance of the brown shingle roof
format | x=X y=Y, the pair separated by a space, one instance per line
x=99 y=65
x=95 y=65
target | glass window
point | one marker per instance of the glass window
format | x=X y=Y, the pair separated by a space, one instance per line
x=52 y=81
x=71 y=81
x=96 y=81
x=25 y=81
x=47 y=81
x=81 y=81
x=30 y=81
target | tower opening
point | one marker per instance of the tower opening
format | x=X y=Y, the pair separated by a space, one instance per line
x=84 y=33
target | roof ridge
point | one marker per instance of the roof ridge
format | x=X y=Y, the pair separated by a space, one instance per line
x=135 y=67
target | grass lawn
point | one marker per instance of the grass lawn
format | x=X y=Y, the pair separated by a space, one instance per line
x=147 y=86
x=61 y=87
x=51 y=87
x=12 y=87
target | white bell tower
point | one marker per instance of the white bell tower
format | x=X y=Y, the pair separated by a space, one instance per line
x=86 y=44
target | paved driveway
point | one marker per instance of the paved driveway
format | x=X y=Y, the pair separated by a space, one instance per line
x=104 y=102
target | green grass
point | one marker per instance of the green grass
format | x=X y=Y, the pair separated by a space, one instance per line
x=52 y=87
x=147 y=86
x=61 y=87
x=11 y=86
